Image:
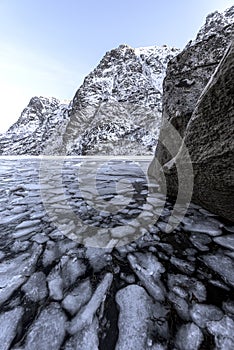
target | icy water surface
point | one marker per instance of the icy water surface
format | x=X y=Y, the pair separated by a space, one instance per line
x=88 y=266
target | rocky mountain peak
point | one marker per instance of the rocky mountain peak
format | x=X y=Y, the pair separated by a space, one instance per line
x=126 y=80
x=122 y=94
x=215 y=23
x=35 y=126
x=126 y=74
x=38 y=110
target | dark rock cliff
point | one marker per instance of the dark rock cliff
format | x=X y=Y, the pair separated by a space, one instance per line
x=189 y=72
x=203 y=115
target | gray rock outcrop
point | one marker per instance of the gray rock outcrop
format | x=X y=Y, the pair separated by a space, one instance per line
x=199 y=116
x=189 y=72
x=209 y=140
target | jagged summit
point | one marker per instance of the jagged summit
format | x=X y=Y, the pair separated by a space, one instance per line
x=35 y=126
x=118 y=108
x=107 y=113
x=215 y=23
x=124 y=74
x=38 y=111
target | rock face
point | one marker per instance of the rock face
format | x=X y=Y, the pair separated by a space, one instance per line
x=117 y=110
x=189 y=72
x=34 y=128
x=209 y=139
x=203 y=117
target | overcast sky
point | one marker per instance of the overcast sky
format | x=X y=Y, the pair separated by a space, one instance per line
x=47 y=47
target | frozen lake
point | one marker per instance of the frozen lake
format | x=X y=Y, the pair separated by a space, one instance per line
x=87 y=260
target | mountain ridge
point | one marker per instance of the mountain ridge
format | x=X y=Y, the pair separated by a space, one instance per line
x=118 y=108
x=124 y=76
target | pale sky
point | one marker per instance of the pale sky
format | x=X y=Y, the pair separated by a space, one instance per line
x=47 y=47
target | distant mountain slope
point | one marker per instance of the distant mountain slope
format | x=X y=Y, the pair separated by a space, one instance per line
x=35 y=126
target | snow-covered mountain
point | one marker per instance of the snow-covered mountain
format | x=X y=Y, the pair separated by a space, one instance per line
x=35 y=126
x=117 y=110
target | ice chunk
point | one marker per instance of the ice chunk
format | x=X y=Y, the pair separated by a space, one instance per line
x=9 y=321
x=71 y=270
x=149 y=269
x=78 y=297
x=122 y=231
x=13 y=218
x=24 y=232
x=224 y=333
x=48 y=330
x=86 y=339
x=193 y=287
x=127 y=278
x=183 y=265
x=221 y=264
x=14 y=272
x=134 y=317
x=181 y=292
x=50 y=253
x=19 y=246
x=55 y=284
x=202 y=224
x=85 y=316
x=228 y=307
x=35 y=288
x=189 y=337
x=180 y=305
x=28 y=223
x=200 y=241
x=225 y=241
x=40 y=238
x=201 y=314
x=98 y=257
